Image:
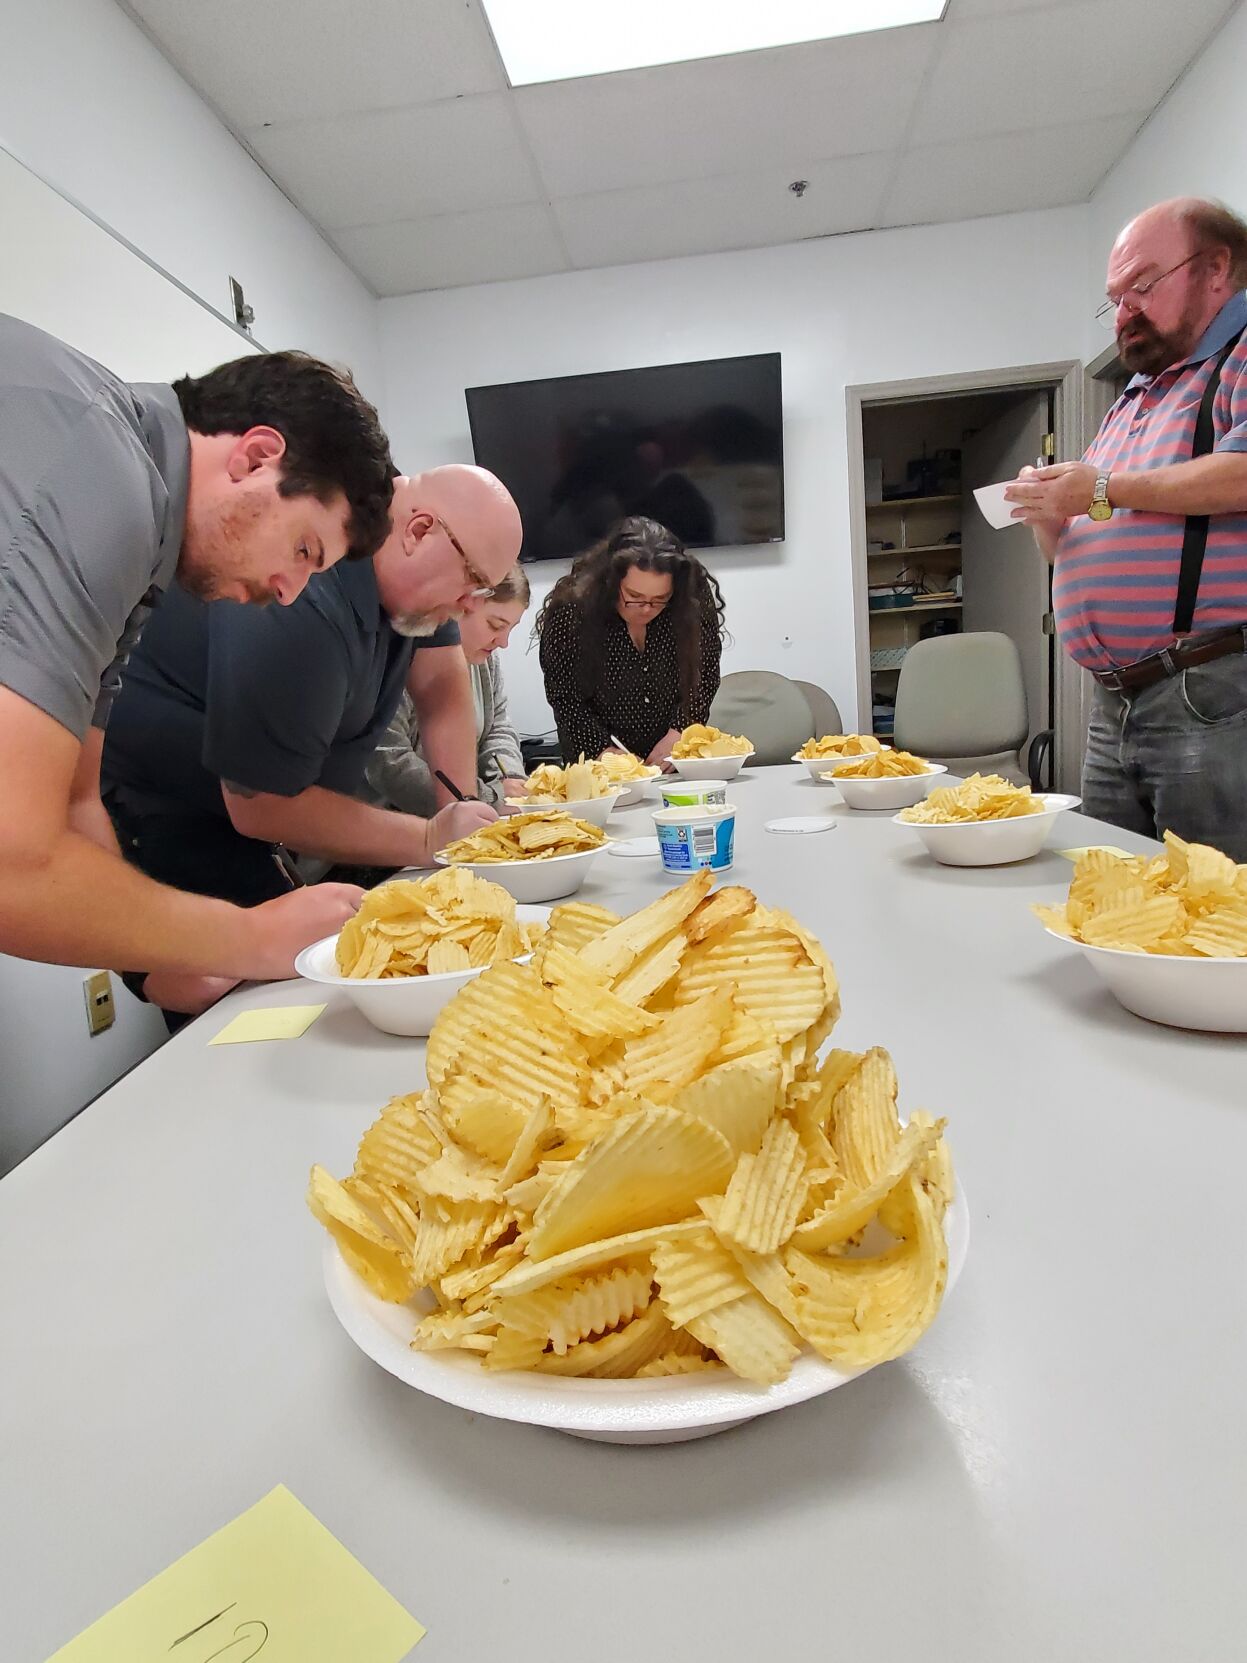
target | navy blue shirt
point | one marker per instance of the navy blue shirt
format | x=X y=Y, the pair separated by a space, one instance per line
x=272 y=699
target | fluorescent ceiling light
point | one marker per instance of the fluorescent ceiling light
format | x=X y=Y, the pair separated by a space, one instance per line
x=554 y=40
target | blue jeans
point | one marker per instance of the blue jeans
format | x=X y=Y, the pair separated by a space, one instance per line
x=1173 y=757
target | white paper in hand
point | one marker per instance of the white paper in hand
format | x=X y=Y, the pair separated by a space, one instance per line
x=996 y=511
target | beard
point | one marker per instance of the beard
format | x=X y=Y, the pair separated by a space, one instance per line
x=414 y=626
x=218 y=548
x=1144 y=350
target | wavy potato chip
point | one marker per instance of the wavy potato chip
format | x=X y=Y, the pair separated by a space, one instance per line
x=699 y=740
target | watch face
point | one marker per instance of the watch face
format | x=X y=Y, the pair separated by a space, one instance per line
x=1100 y=511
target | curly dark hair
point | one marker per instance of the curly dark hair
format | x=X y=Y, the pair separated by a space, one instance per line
x=592 y=587
x=334 y=438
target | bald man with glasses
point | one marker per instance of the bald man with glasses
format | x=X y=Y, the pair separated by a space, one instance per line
x=1147 y=535
x=240 y=734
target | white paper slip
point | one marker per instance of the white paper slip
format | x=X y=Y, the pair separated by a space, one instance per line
x=633 y=848
x=996 y=511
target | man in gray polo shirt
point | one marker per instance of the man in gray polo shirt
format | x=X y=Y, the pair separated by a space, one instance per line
x=241 y=482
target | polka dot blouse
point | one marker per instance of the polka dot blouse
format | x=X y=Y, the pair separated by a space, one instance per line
x=638 y=693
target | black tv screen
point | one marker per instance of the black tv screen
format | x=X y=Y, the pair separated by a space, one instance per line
x=698 y=447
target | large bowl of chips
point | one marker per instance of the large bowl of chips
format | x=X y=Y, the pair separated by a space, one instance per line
x=391 y=959
x=709 y=767
x=985 y=821
x=595 y=810
x=706 y=753
x=637 y=1200
x=1167 y=934
x=890 y=780
x=586 y=789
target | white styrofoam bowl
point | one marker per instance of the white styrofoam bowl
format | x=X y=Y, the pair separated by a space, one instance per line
x=534 y=880
x=406 y=1005
x=993 y=842
x=1208 y=994
x=822 y=767
x=709 y=767
x=596 y=810
x=611 y=1411
x=637 y=790
x=895 y=791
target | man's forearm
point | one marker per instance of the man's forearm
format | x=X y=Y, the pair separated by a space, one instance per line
x=325 y=823
x=1206 y=485
x=76 y=904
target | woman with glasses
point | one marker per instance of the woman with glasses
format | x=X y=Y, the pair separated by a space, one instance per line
x=630 y=644
x=399 y=774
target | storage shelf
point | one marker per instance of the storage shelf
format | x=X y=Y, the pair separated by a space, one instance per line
x=918 y=548
x=918 y=606
x=913 y=502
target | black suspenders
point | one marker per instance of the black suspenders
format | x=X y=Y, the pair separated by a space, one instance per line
x=1195 y=534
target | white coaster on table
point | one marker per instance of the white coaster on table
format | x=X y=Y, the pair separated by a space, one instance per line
x=802 y=823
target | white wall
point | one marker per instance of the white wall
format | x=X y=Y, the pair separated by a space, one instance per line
x=1194 y=144
x=882 y=306
x=88 y=102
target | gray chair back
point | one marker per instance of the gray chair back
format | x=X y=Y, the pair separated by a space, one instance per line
x=767 y=707
x=962 y=697
x=823 y=708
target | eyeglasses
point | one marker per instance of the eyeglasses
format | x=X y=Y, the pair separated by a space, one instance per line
x=642 y=606
x=483 y=588
x=1136 y=296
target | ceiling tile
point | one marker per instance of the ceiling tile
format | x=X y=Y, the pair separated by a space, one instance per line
x=462 y=154
x=725 y=115
x=701 y=216
x=448 y=249
x=1058 y=63
x=288 y=60
x=1006 y=173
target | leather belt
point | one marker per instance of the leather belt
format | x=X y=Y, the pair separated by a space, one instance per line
x=1199 y=649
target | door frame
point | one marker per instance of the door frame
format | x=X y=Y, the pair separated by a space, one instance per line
x=1069 y=382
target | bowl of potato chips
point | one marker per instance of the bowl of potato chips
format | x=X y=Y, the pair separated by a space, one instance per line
x=886 y=780
x=636 y=1200
x=415 y=942
x=584 y=789
x=1166 y=933
x=823 y=756
x=985 y=821
x=541 y=856
x=706 y=753
x=628 y=772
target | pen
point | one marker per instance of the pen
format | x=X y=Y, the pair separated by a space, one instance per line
x=453 y=788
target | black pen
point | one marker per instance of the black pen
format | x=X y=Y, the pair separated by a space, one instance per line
x=453 y=788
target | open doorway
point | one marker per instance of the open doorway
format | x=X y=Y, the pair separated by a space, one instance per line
x=926 y=563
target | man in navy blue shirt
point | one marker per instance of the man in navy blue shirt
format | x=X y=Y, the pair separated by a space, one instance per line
x=240 y=733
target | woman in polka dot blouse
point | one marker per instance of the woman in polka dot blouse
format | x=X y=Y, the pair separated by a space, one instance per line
x=630 y=643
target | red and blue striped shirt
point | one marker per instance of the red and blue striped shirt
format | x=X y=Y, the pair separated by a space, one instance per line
x=1115 y=581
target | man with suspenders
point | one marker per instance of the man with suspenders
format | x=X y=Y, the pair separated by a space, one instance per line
x=1148 y=535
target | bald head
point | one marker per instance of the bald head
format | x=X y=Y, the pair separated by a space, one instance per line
x=1171 y=270
x=422 y=576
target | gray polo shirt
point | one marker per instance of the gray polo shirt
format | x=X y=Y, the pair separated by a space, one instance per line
x=93 y=480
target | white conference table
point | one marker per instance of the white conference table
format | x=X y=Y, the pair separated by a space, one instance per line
x=1055 y=1473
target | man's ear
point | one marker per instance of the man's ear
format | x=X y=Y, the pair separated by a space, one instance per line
x=416 y=528
x=254 y=450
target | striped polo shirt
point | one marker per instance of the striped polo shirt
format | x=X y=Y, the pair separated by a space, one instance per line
x=1115 y=581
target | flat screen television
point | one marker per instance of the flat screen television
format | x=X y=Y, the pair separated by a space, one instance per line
x=698 y=447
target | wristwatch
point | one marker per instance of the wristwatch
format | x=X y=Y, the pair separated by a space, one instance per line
x=1101 y=508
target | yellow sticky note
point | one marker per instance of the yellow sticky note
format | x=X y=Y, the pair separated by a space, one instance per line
x=275 y=1022
x=273 y=1584
x=1101 y=848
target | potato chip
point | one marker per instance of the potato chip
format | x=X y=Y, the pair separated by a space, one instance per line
x=698 y=740
x=448 y=921
x=981 y=797
x=884 y=765
x=630 y=1161
x=623 y=768
x=564 y=1313
x=580 y=783
x=537 y=836
x=751 y=1338
x=766 y=1192
x=1190 y=901
x=648 y=1169
x=840 y=744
